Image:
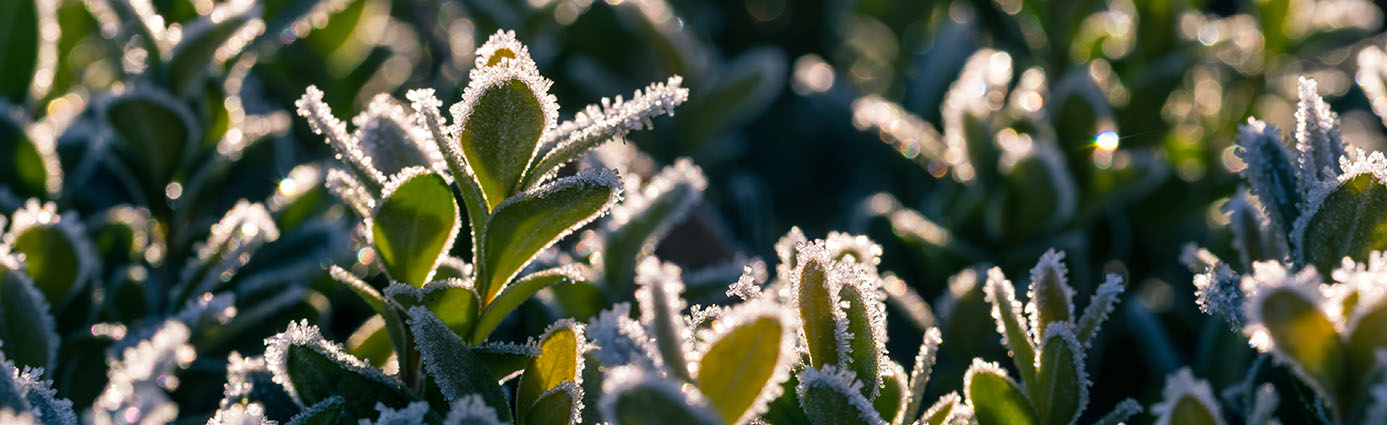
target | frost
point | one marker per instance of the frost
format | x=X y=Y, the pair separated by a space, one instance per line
x=471 y=410
x=42 y=398
x=1051 y=264
x=301 y=333
x=236 y=414
x=241 y=374
x=413 y=414
x=11 y=417
x=614 y=118
x=349 y=190
x=519 y=67
x=841 y=381
x=392 y=138
x=619 y=340
x=1064 y=332
x=14 y=266
x=1001 y=293
x=816 y=252
x=787 y=248
x=1255 y=236
x=136 y=390
x=1267 y=277
x=746 y=313
x=640 y=203
x=661 y=303
x=1180 y=385
x=232 y=240
x=851 y=248
x=981 y=366
x=629 y=379
x=1270 y=171
x=12 y=393
x=919 y=374
x=579 y=339
x=700 y=315
x=748 y=285
x=319 y=116
x=950 y=400
x=1124 y=410
x=1353 y=165
x=1317 y=137
x=1102 y=303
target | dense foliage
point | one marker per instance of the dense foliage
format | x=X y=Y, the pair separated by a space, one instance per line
x=808 y=217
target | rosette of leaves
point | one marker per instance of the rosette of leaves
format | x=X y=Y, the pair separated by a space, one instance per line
x=1189 y=400
x=1047 y=343
x=400 y=171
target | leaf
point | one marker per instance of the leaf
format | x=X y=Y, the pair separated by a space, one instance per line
x=1060 y=392
x=521 y=290
x=457 y=371
x=27 y=330
x=1303 y=336
x=1007 y=312
x=749 y=353
x=506 y=359
x=662 y=304
x=188 y=64
x=56 y=254
x=43 y=399
x=895 y=395
x=524 y=225
x=816 y=312
x=867 y=333
x=158 y=134
x=632 y=396
x=1270 y=172
x=27 y=167
x=12 y=396
x=372 y=342
x=1317 y=137
x=996 y=399
x=452 y=300
x=1050 y=295
x=558 y=406
x=1347 y=222
x=834 y=396
x=326 y=412
x=919 y=374
x=643 y=218
x=1185 y=400
x=1104 y=300
x=1367 y=334
x=414 y=225
x=312 y=369
x=942 y=410
x=394 y=325
x=19 y=45
x=560 y=360
x=504 y=111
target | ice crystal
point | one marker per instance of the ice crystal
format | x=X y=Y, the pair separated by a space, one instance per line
x=748 y=285
x=1270 y=171
x=1317 y=136
x=841 y=381
x=853 y=248
x=43 y=399
x=660 y=299
x=787 y=249
x=1358 y=163
x=237 y=414
x=630 y=379
x=241 y=376
x=619 y=340
x=471 y=410
x=319 y=116
x=919 y=374
x=1179 y=386
x=743 y=314
x=136 y=390
x=596 y=124
x=349 y=190
x=391 y=136
x=1050 y=270
x=301 y=333
x=413 y=414
x=1102 y=303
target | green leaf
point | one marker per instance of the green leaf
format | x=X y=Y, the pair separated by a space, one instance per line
x=747 y=357
x=1365 y=338
x=452 y=365
x=19 y=45
x=326 y=412
x=1185 y=400
x=1050 y=294
x=635 y=397
x=56 y=255
x=920 y=373
x=372 y=342
x=1007 y=312
x=678 y=188
x=394 y=324
x=414 y=225
x=941 y=411
x=1060 y=392
x=816 y=306
x=188 y=64
x=895 y=395
x=158 y=134
x=26 y=327
x=834 y=396
x=506 y=359
x=25 y=168
x=313 y=369
x=996 y=399
x=868 y=332
x=560 y=360
x=521 y=290
x=558 y=406
x=1347 y=223
x=1303 y=335
x=524 y=225
x=452 y=300
x=500 y=134
x=661 y=302
x=1190 y=411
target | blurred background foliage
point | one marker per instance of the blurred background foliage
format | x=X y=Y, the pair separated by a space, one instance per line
x=954 y=133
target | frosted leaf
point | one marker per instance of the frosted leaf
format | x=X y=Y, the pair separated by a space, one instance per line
x=1063 y=333
x=1362 y=280
x=919 y=374
x=241 y=376
x=349 y=190
x=638 y=203
x=391 y=137
x=1104 y=300
x=1271 y=171
x=950 y=401
x=744 y=314
x=660 y=296
x=787 y=249
x=519 y=67
x=44 y=326
x=596 y=124
x=849 y=248
x=348 y=149
x=634 y=380
x=136 y=390
x=11 y=417
x=36 y=215
x=574 y=392
x=1181 y=385
x=1317 y=137
x=237 y=414
x=413 y=414
x=1124 y=410
x=471 y=410
x=814 y=252
x=12 y=393
x=841 y=381
x=1268 y=275
x=1050 y=270
x=1255 y=236
x=1006 y=311
x=43 y=400
x=911 y=136
x=1353 y=165
x=230 y=244
x=619 y=340
x=1218 y=291
x=700 y=315
x=748 y=285
x=301 y=333
x=1264 y=406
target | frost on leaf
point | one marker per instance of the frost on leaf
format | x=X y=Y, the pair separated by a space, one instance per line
x=413 y=414
x=1218 y=291
x=1255 y=236
x=348 y=149
x=748 y=285
x=619 y=340
x=1102 y=303
x=237 y=414
x=1051 y=298
x=1188 y=396
x=302 y=334
x=1007 y=312
x=137 y=390
x=1317 y=137
x=632 y=392
x=856 y=249
x=660 y=296
x=391 y=136
x=735 y=365
x=349 y=190
x=835 y=395
x=42 y=398
x=471 y=410
x=919 y=374
x=1271 y=172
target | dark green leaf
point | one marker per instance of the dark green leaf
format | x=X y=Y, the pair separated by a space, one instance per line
x=500 y=134
x=326 y=412
x=634 y=397
x=414 y=225
x=26 y=327
x=19 y=45
x=520 y=291
x=315 y=370
x=157 y=132
x=996 y=399
x=457 y=371
x=1348 y=223
x=556 y=407
x=188 y=64
x=452 y=300
x=833 y=396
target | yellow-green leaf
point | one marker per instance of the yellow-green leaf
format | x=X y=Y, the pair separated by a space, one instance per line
x=996 y=399
x=1303 y=334
x=1348 y=223
x=520 y=291
x=746 y=358
x=500 y=134
x=560 y=359
x=414 y=225
x=816 y=306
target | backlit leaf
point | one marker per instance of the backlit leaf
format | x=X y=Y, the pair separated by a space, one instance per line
x=414 y=225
